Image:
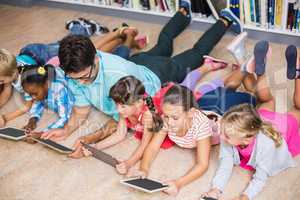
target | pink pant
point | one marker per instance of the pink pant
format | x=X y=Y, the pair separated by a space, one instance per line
x=287 y=125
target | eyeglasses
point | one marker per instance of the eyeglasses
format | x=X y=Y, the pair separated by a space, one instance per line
x=87 y=77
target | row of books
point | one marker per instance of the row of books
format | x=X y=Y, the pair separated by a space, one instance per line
x=199 y=7
x=279 y=14
x=270 y=14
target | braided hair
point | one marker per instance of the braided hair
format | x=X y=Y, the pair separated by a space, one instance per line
x=128 y=90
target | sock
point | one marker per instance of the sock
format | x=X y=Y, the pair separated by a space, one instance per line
x=210 y=86
x=191 y=79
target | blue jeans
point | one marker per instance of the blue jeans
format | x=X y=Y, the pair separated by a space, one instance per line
x=41 y=53
x=222 y=99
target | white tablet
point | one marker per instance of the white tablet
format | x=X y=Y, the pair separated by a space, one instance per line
x=144 y=184
x=12 y=133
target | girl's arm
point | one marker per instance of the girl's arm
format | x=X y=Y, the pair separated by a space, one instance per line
x=263 y=162
x=116 y=137
x=147 y=135
x=36 y=110
x=64 y=105
x=152 y=150
x=5 y=94
x=224 y=170
x=20 y=111
x=201 y=165
x=257 y=183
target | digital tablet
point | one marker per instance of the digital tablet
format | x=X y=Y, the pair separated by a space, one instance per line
x=12 y=133
x=53 y=145
x=100 y=155
x=144 y=184
x=208 y=198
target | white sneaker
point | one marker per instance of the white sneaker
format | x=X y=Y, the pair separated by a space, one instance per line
x=238 y=49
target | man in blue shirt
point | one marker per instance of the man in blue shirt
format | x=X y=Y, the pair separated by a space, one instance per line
x=93 y=73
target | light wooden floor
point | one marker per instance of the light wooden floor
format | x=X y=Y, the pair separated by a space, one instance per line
x=31 y=172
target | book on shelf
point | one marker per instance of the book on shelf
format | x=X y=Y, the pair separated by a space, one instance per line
x=271 y=14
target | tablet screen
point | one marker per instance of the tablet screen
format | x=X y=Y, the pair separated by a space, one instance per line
x=12 y=132
x=55 y=145
x=146 y=184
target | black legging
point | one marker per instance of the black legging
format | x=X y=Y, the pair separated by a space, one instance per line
x=167 y=68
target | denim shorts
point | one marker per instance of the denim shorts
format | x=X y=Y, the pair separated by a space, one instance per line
x=222 y=99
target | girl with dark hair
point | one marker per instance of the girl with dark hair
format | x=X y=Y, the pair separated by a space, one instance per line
x=139 y=112
x=142 y=113
x=188 y=127
x=47 y=87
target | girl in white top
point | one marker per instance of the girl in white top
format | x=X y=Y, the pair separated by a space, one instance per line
x=188 y=127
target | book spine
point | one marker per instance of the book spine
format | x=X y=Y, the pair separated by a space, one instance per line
x=257 y=11
x=252 y=10
x=242 y=11
x=278 y=13
x=247 y=11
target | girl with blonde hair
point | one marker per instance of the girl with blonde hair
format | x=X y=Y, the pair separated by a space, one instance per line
x=260 y=140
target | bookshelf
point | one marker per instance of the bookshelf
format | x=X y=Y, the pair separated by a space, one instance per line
x=278 y=35
x=210 y=20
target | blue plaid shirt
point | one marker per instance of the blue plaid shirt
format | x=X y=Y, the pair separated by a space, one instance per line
x=59 y=99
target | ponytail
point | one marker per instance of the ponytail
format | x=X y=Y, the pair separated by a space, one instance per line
x=157 y=120
x=269 y=131
x=247 y=123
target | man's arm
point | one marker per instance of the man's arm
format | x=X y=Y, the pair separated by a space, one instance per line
x=78 y=116
x=108 y=129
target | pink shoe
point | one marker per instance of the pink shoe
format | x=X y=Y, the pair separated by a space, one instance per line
x=215 y=63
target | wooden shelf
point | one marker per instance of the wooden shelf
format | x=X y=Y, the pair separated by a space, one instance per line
x=209 y=20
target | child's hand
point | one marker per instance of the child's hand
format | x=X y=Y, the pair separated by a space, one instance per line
x=57 y=134
x=29 y=139
x=78 y=153
x=2 y=121
x=86 y=152
x=213 y=193
x=132 y=173
x=173 y=189
x=31 y=125
x=78 y=141
x=122 y=167
x=78 y=150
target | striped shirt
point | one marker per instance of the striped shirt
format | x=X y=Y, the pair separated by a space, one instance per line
x=202 y=127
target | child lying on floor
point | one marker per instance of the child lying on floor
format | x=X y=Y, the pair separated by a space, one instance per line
x=47 y=87
x=40 y=54
x=260 y=140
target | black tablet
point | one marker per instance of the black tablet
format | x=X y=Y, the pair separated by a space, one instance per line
x=145 y=184
x=53 y=145
x=12 y=133
x=208 y=198
x=100 y=155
